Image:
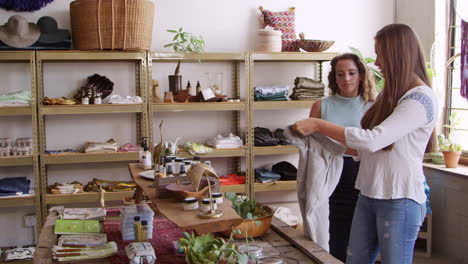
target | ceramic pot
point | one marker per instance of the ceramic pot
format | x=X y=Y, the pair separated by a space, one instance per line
x=451 y=158
x=175 y=83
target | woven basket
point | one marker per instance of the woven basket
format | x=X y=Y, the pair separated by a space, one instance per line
x=112 y=24
x=312 y=45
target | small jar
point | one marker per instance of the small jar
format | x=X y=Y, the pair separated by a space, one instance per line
x=253 y=251
x=190 y=203
x=188 y=164
x=218 y=197
x=207 y=162
x=205 y=207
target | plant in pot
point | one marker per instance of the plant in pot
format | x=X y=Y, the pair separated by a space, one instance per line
x=450 y=149
x=183 y=42
x=257 y=217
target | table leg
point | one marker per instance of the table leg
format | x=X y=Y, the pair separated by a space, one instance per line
x=138 y=195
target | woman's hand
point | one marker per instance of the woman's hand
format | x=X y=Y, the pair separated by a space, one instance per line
x=307 y=126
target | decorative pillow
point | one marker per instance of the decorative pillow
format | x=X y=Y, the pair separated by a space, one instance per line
x=283 y=21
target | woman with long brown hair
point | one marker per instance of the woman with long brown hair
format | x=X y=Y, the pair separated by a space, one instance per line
x=352 y=92
x=390 y=145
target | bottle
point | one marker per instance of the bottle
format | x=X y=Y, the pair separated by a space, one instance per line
x=144 y=231
x=182 y=171
x=137 y=228
x=198 y=88
x=147 y=161
x=84 y=97
x=98 y=98
x=169 y=170
x=142 y=150
x=196 y=160
x=189 y=88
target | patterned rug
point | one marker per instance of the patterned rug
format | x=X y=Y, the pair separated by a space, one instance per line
x=164 y=232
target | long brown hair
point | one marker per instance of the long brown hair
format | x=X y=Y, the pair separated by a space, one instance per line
x=401 y=55
x=366 y=84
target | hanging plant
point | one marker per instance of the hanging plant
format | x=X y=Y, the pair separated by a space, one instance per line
x=23 y=5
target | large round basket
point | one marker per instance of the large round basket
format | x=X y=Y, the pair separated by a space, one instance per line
x=313 y=45
x=112 y=24
x=251 y=228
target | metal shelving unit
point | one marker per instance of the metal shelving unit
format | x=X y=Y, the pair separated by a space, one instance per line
x=33 y=160
x=235 y=59
x=139 y=58
x=254 y=57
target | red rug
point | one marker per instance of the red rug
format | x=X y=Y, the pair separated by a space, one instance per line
x=164 y=232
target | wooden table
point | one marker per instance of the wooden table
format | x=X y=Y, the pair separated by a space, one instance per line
x=173 y=210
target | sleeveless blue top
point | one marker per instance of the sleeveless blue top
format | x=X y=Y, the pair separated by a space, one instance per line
x=344 y=111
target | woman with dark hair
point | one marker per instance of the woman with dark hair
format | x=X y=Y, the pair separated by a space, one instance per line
x=395 y=133
x=352 y=91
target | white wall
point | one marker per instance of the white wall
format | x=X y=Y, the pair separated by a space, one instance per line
x=227 y=26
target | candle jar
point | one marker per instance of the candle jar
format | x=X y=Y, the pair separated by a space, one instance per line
x=218 y=197
x=190 y=203
x=205 y=207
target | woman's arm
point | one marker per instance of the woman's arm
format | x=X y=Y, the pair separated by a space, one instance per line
x=316 y=110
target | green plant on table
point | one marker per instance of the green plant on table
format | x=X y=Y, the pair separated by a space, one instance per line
x=246 y=208
x=446 y=143
x=185 y=42
x=207 y=249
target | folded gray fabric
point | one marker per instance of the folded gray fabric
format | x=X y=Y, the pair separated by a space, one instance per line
x=305 y=82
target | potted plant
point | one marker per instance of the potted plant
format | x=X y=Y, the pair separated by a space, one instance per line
x=257 y=217
x=183 y=42
x=450 y=149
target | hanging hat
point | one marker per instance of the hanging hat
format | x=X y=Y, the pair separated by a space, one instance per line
x=18 y=33
x=50 y=32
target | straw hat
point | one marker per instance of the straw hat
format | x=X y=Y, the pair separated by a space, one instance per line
x=50 y=32
x=18 y=33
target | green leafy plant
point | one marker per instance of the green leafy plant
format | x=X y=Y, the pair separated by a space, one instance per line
x=185 y=42
x=207 y=249
x=446 y=143
x=246 y=208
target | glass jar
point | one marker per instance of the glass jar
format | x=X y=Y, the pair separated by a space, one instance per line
x=205 y=207
x=218 y=197
x=254 y=252
x=270 y=260
x=190 y=203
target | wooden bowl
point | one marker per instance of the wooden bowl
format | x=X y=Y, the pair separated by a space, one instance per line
x=252 y=229
x=314 y=45
x=184 y=189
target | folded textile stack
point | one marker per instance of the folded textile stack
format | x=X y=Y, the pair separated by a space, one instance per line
x=14 y=185
x=264 y=137
x=19 y=253
x=84 y=213
x=135 y=215
x=196 y=148
x=5 y=147
x=307 y=89
x=129 y=147
x=231 y=179
x=101 y=147
x=20 y=98
x=264 y=175
x=287 y=171
x=220 y=142
x=118 y=99
x=97 y=185
x=66 y=188
x=271 y=93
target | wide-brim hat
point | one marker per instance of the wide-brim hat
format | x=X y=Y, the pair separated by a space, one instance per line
x=19 y=33
x=50 y=32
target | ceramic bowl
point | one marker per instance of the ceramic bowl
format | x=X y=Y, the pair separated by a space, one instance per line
x=314 y=45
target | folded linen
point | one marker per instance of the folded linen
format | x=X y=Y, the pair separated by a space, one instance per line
x=220 y=142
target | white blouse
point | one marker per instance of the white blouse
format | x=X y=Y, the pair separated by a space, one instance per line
x=397 y=173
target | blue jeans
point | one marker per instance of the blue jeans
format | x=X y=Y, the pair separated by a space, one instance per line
x=390 y=226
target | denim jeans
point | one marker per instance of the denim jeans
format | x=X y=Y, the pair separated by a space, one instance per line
x=390 y=226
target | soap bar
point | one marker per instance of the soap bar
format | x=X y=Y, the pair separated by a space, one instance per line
x=207 y=94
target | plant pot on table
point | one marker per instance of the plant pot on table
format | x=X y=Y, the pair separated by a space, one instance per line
x=451 y=158
x=251 y=227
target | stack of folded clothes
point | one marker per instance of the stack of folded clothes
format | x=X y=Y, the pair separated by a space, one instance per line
x=220 y=142
x=264 y=137
x=307 y=89
x=264 y=175
x=14 y=186
x=287 y=171
x=271 y=93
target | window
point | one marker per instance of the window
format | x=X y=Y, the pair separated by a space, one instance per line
x=455 y=102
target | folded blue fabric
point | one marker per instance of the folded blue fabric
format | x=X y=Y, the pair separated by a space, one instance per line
x=13 y=185
x=264 y=175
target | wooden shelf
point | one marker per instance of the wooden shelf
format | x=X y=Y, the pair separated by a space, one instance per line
x=90 y=109
x=216 y=153
x=235 y=188
x=76 y=55
x=86 y=197
x=293 y=56
x=67 y=158
x=275 y=186
x=275 y=150
x=171 y=56
x=16 y=55
x=16 y=161
x=271 y=105
x=15 y=110
x=19 y=201
x=165 y=107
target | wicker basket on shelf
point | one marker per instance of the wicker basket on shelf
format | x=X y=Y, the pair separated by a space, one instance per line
x=112 y=24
